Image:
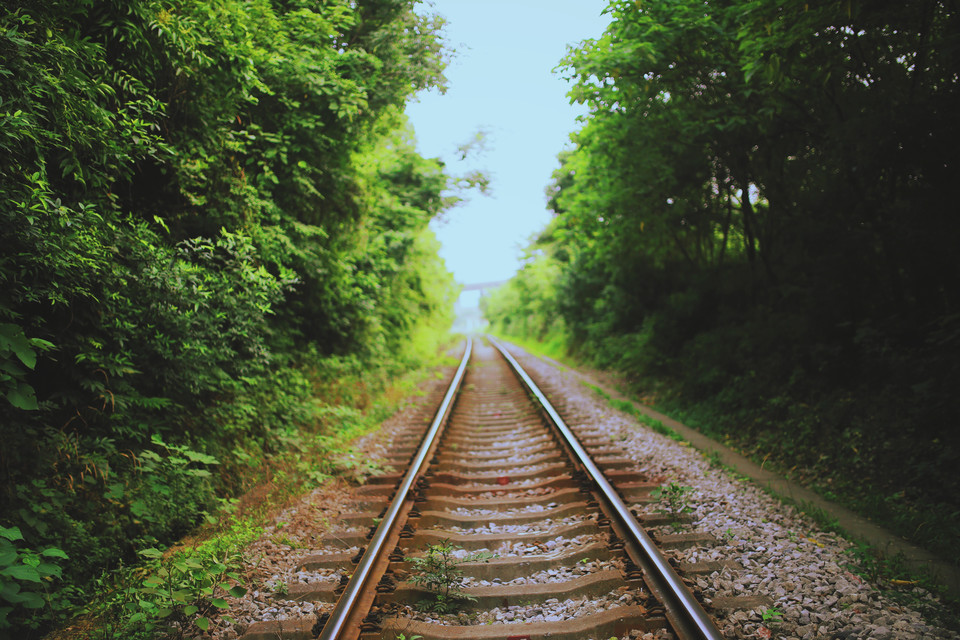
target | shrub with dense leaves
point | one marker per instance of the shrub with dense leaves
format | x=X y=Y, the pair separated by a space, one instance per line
x=757 y=220
x=201 y=204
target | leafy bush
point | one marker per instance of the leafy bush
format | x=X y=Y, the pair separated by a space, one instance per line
x=202 y=207
x=739 y=230
x=24 y=575
x=184 y=588
x=438 y=570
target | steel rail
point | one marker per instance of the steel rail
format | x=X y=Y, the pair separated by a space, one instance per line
x=671 y=584
x=358 y=581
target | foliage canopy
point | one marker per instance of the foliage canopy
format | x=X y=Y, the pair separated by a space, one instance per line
x=207 y=209
x=759 y=212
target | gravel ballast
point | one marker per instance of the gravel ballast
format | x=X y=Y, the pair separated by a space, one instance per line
x=808 y=575
x=779 y=553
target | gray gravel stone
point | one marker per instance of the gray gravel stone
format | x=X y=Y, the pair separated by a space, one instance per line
x=781 y=553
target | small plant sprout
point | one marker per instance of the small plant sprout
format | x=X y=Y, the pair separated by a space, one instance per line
x=771 y=615
x=288 y=541
x=280 y=587
x=438 y=571
x=713 y=458
x=673 y=498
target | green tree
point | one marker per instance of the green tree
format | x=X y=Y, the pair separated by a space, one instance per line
x=757 y=219
x=204 y=208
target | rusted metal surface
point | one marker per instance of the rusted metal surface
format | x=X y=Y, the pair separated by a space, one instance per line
x=337 y=626
x=687 y=613
x=466 y=470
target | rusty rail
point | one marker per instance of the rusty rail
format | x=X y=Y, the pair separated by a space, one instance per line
x=687 y=611
x=336 y=623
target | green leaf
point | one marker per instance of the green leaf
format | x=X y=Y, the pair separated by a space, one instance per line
x=182 y=595
x=203 y=623
x=196 y=456
x=53 y=552
x=31 y=600
x=13 y=533
x=11 y=369
x=220 y=603
x=13 y=338
x=46 y=569
x=8 y=556
x=114 y=491
x=30 y=559
x=21 y=572
x=237 y=591
x=191 y=609
x=23 y=397
x=9 y=590
x=151 y=553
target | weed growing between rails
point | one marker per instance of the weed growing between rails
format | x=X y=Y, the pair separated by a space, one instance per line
x=673 y=499
x=673 y=502
x=438 y=571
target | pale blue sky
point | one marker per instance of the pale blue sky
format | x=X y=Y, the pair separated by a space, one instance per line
x=500 y=81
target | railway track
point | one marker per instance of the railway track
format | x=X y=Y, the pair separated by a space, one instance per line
x=533 y=517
